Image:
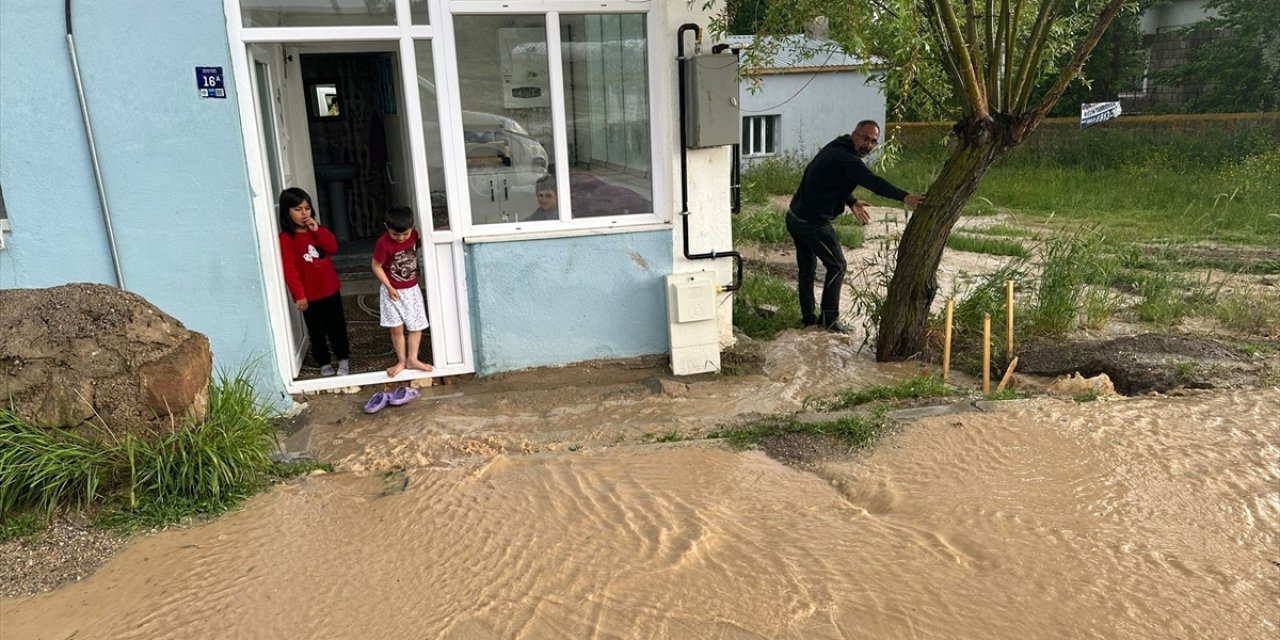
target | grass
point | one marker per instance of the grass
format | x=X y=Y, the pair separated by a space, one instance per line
x=921 y=386
x=760 y=290
x=773 y=176
x=989 y=245
x=22 y=526
x=855 y=431
x=764 y=226
x=1249 y=315
x=1137 y=184
x=767 y=227
x=198 y=469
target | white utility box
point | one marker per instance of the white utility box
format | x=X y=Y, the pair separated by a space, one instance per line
x=694 y=330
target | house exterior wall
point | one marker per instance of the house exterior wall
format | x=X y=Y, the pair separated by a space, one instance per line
x=812 y=114
x=176 y=177
x=559 y=300
x=173 y=165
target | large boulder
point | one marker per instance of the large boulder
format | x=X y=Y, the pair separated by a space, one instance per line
x=77 y=352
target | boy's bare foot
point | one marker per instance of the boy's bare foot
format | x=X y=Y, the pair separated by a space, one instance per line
x=395 y=369
x=420 y=365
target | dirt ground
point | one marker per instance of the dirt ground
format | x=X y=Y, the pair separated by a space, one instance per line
x=638 y=402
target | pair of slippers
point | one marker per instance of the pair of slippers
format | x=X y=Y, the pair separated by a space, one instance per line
x=381 y=399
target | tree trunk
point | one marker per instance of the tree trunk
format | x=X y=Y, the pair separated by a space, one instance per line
x=905 y=312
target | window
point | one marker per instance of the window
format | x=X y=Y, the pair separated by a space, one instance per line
x=606 y=89
x=514 y=173
x=759 y=135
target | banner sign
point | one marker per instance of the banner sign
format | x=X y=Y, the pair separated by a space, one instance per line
x=1092 y=113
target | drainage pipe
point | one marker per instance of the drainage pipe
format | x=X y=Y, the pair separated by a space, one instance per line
x=93 y=150
x=684 y=167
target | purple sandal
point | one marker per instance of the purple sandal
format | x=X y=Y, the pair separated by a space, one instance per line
x=402 y=395
x=377 y=402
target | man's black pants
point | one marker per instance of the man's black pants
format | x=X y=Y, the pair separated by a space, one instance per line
x=817 y=242
x=327 y=323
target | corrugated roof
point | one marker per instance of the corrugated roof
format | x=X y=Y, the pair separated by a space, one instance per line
x=803 y=52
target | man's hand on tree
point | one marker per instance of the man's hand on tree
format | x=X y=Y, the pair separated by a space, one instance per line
x=912 y=200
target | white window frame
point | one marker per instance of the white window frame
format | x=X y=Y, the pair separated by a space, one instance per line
x=566 y=226
x=770 y=124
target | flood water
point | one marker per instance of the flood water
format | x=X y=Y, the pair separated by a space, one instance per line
x=1142 y=518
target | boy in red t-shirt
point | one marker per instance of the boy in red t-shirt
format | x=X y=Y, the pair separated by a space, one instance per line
x=395 y=264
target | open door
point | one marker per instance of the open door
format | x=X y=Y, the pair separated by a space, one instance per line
x=267 y=65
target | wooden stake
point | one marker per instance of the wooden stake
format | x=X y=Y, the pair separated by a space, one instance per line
x=1008 y=374
x=1008 y=304
x=946 y=341
x=986 y=353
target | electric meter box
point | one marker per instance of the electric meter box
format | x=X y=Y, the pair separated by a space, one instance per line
x=711 y=100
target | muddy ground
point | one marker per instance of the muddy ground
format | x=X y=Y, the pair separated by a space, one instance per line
x=638 y=402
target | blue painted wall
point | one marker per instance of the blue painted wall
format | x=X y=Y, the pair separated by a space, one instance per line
x=545 y=302
x=173 y=165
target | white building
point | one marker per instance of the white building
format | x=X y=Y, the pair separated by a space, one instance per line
x=803 y=96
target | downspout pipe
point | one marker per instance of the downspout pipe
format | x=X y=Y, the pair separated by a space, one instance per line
x=684 y=167
x=93 y=151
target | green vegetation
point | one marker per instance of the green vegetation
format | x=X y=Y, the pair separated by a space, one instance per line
x=988 y=245
x=1005 y=394
x=1171 y=183
x=921 y=386
x=772 y=176
x=856 y=431
x=764 y=226
x=198 y=469
x=1251 y=315
x=759 y=292
x=23 y=526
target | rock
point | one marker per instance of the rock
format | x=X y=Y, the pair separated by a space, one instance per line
x=83 y=351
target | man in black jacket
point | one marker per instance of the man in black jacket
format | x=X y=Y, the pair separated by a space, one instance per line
x=824 y=191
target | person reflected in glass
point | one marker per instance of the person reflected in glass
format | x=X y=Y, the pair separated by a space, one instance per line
x=548 y=202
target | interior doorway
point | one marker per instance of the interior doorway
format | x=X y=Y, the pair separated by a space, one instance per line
x=333 y=122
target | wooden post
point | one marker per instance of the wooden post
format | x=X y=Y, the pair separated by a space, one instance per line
x=1008 y=374
x=946 y=341
x=1008 y=304
x=986 y=353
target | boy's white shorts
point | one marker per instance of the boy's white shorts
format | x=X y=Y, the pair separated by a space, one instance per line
x=408 y=311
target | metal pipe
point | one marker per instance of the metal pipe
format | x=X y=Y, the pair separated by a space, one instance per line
x=93 y=151
x=684 y=167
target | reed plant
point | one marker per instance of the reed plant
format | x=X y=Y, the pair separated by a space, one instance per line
x=1069 y=262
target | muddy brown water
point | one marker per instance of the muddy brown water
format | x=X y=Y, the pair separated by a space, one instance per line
x=1137 y=518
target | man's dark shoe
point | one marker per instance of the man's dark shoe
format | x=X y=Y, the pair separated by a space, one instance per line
x=837 y=327
x=808 y=322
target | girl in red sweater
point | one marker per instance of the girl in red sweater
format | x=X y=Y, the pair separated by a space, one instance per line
x=305 y=247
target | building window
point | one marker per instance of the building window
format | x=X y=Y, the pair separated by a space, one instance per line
x=509 y=95
x=759 y=135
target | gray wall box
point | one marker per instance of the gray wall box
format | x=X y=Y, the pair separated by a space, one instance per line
x=711 y=93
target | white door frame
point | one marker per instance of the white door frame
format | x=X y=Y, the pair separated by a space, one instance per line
x=447 y=305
